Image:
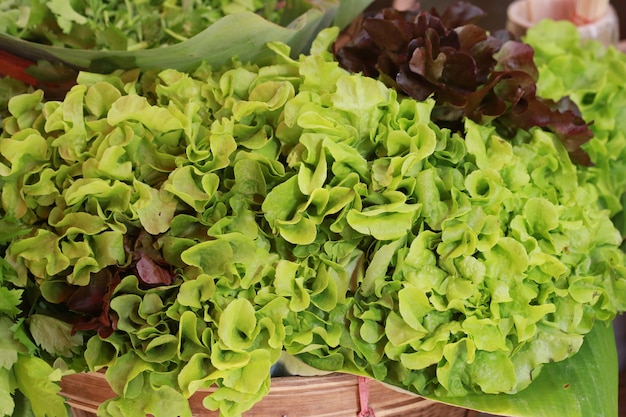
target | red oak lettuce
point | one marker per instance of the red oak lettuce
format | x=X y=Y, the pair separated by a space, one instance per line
x=470 y=72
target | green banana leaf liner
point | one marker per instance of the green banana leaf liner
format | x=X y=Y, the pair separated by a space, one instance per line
x=242 y=35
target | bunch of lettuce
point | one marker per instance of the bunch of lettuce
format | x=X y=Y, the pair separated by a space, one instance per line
x=122 y=24
x=182 y=231
x=592 y=75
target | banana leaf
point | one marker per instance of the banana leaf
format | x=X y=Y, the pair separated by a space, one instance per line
x=243 y=35
x=584 y=385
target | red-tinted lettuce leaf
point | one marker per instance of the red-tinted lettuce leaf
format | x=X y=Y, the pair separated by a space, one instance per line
x=152 y=270
x=428 y=61
x=461 y=13
x=472 y=35
x=89 y=299
x=459 y=71
x=486 y=101
x=96 y=305
x=391 y=34
x=516 y=56
x=151 y=273
x=475 y=41
x=87 y=307
x=413 y=84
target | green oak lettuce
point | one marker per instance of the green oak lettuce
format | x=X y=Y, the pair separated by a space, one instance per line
x=194 y=227
x=593 y=80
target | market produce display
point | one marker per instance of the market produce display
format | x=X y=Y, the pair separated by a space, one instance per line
x=180 y=230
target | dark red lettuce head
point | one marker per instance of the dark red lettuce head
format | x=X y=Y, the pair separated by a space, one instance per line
x=468 y=71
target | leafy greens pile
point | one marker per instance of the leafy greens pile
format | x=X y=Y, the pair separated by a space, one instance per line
x=470 y=72
x=120 y=24
x=183 y=230
x=594 y=81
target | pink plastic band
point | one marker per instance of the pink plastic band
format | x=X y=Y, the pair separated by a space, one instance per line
x=364 y=396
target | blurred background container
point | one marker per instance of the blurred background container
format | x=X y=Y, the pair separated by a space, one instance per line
x=496 y=11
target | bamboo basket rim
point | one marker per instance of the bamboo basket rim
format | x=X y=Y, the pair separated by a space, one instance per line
x=330 y=395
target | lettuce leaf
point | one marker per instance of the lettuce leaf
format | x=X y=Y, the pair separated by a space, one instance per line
x=39 y=383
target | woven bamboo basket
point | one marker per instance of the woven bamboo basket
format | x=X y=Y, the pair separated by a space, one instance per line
x=334 y=395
